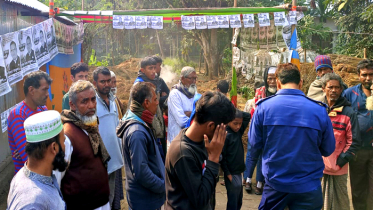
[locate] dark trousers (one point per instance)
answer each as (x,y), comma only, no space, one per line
(361,177)
(275,200)
(234,192)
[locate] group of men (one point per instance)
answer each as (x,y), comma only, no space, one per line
(87,145)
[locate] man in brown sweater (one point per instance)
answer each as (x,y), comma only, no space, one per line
(85,184)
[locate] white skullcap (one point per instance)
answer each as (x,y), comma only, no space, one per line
(272,70)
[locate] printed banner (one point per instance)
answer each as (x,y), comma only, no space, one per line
(12,57)
(293,17)
(27,52)
(223,21)
(263,19)
(51,37)
(157,22)
(279,18)
(4,84)
(40,44)
(248,20)
(118,22)
(212,22)
(129,22)
(235,21)
(188,22)
(141,22)
(201,22)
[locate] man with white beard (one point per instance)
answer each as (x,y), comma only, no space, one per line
(180,102)
(85,185)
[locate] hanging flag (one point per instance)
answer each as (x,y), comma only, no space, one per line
(293,47)
(233,92)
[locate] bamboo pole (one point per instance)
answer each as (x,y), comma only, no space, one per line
(51,8)
(365,53)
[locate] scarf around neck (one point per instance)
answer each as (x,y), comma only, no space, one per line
(183,90)
(142,113)
(155,82)
(95,139)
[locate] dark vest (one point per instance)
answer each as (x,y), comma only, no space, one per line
(85,185)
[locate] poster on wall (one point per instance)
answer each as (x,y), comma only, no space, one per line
(235,21)
(292,17)
(286,33)
(59,30)
(248,20)
(4,118)
(118,22)
(201,22)
(223,21)
(12,57)
(141,22)
(4,84)
(40,44)
(157,22)
(27,52)
(188,22)
(279,18)
(212,22)
(69,40)
(129,22)
(51,37)
(263,19)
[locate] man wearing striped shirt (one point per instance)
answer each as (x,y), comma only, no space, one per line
(35,87)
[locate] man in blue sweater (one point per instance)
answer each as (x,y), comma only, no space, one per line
(145,171)
(294,132)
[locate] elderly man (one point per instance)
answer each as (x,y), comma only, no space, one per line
(88,153)
(114,92)
(180,102)
(145,178)
(192,163)
(361,168)
(292,142)
(108,117)
(347,136)
(35,187)
(323,65)
(79,71)
(35,87)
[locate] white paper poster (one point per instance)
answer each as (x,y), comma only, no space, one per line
(248,20)
(201,22)
(188,22)
(118,22)
(51,37)
(223,21)
(279,18)
(263,19)
(149,21)
(4,119)
(27,52)
(235,21)
(69,40)
(4,84)
(157,22)
(212,22)
(129,22)
(40,44)
(141,22)
(12,57)
(286,34)
(292,17)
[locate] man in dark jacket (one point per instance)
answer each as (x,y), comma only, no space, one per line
(164,90)
(192,163)
(347,136)
(145,176)
(361,168)
(293,142)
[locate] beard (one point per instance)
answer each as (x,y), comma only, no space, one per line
(59,162)
(367,85)
(272,89)
(114,91)
(192,89)
(90,121)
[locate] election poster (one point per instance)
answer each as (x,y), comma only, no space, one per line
(51,37)
(212,22)
(248,20)
(12,57)
(188,22)
(118,22)
(40,44)
(27,52)
(201,22)
(4,84)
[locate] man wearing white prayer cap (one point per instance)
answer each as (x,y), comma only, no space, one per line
(35,187)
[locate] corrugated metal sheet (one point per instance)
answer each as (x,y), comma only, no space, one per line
(35,4)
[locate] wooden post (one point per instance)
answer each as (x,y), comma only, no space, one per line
(294,4)
(365,53)
(305,56)
(51,8)
(234,5)
(82,5)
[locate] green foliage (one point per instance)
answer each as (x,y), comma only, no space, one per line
(227,59)
(246,92)
(177,64)
(94,62)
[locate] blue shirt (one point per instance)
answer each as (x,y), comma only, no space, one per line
(358,100)
(29,190)
(294,132)
(196,98)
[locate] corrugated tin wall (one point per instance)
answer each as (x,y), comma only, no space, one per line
(10,21)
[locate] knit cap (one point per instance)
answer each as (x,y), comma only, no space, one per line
(323,61)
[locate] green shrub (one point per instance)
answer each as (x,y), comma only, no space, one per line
(178,64)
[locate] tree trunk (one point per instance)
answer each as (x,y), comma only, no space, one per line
(159,43)
(214,53)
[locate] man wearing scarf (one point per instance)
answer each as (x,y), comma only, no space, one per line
(145,171)
(180,102)
(147,73)
(85,185)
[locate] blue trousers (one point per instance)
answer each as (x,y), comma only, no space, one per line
(275,200)
(250,166)
(234,192)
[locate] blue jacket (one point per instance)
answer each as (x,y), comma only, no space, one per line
(145,171)
(196,98)
(294,132)
(356,96)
